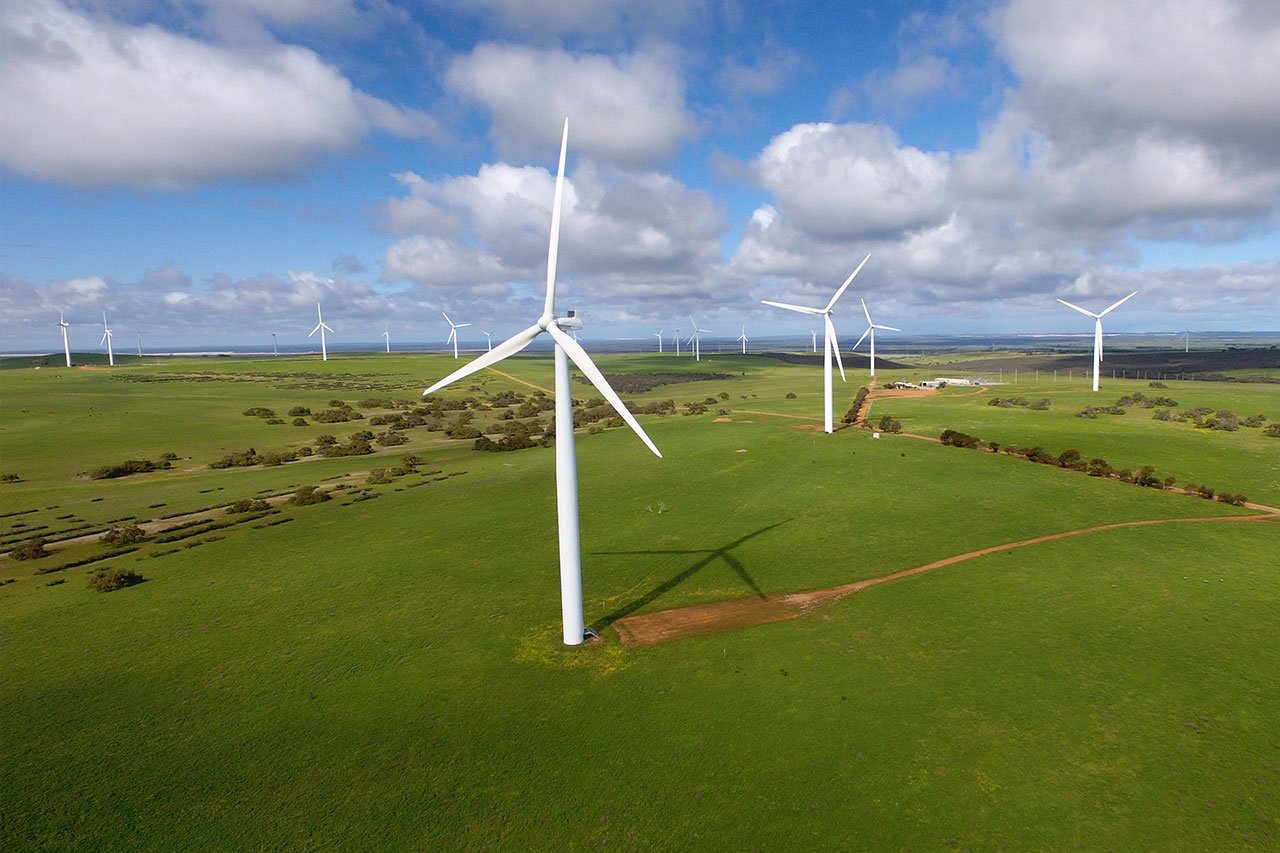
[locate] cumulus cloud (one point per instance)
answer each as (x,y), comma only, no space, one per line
(853,180)
(93,102)
(627,110)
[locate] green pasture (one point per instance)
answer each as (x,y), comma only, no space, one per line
(1243,461)
(386,671)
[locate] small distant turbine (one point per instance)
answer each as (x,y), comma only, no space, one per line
(658,335)
(275,345)
(743,338)
(106,339)
(321,328)
(488,336)
(695,340)
(871,330)
(677,341)
(1186,338)
(139,334)
(453,333)
(386,335)
(66,346)
(829,342)
(1097,330)
(815,339)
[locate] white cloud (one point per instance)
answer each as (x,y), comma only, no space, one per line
(853,180)
(546,19)
(92,102)
(628,110)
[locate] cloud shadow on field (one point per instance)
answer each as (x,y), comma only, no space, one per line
(709,556)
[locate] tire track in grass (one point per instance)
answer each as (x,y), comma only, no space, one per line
(663,626)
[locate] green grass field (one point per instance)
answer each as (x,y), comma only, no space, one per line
(384,669)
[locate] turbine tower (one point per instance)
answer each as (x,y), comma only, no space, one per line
(275,345)
(106,339)
(66,346)
(566,349)
(453,333)
(658,335)
(386,335)
(829,342)
(743,338)
(677,341)
(321,328)
(1097,330)
(139,334)
(871,330)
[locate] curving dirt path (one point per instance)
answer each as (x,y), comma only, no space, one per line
(649,629)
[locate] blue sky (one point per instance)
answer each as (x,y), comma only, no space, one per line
(204,171)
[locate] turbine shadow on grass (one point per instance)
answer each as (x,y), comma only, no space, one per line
(711,555)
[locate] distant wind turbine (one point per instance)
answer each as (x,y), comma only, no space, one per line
(488,336)
(566,349)
(830,343)
(743,338)
(1186,338)
(677,340)
(386,335)
(1097,330)
(275,344)
(106,339)
(658,335)
(321,328)
(453,332)
(695,340)
(815,339)
(66,346)
(871,330)
(139,334)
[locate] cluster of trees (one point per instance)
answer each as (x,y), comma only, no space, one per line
(1205,417)
(307,495)
(859,398)
(1142,401)
(889,424)
(1010,402)
(955,438)
(248,505)
(109,580)
(246,458)
(1208,494)
(133,466)
(126,534)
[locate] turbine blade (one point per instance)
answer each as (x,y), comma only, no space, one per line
(1118,304)
(460,325)
(834,343)
(863,338)
(316,329)
(583,362)
(802,309)
(327,329)
(553,248)
(890,328)
(446,318)
(453,333)
(847,282)
(510,346)
(865,311)
(1078,308)
(1097,338)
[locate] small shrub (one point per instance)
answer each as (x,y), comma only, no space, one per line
(1145,476)
(889,424)
(1069,459)
(109,580)
(248,505)
(1040,405)
(1273,430)
(298,411)
(307,495)
(1044,457)
(260,412)
(791,395)
(299,421)
(378,476)
(1254,421)
(1098,467)
(959,439)
(10,478)
(32,549)
(274,421)
(124,535)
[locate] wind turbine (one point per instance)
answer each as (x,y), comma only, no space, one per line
(66,346)
(453,333)
(139,334)
(829,342)
(658,335)
(106,339)
(815,339)
(743,338)
(386,335)
(677,341)
(871,330)
(566,349)
(489,337)
(696,339)
(275,344)
(1097,330)
(1186,338)
(321,328)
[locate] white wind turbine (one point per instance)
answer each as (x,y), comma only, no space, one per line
(321,328)
(488,336)
(743,338)
(386,334)
(695,340)
(275,345)
(66,346)
(453,333)
(106,339)
(1186,338)
(139,334)
(871,330)
(658,335)
(1097,330)
(559,328)
(829,342)
(677,340)
(814,333)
